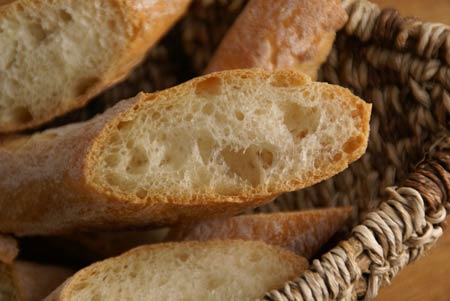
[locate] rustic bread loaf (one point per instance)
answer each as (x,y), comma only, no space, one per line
(56,55)
(292,34)
(302,232)
(214,270)
(213,146)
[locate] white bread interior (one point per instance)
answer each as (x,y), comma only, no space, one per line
(233,134)
(189,271)
(56,55)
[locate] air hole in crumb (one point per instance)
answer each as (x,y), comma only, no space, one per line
(208,109)
(156,116)
(124,125)
(65,16)
(141,193)
(300,121)
(239,115)
(112,160)
(188,117)
(266,158)
(38,32)
(243,163)
(138,163)
(21,114)
(286,80)
(209,86)
(206,144)
(213,283)
(352,144)
(183,257)
(86,85)
(337,157)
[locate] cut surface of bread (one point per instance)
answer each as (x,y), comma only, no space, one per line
(292,34)
(303,232)
(213,146)
(56,55)
(189,271)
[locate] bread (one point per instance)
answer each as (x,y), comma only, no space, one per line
(302,232)
(214,270)
(56,55)
(27,281)
(8,249)
(283,34)
(213,146)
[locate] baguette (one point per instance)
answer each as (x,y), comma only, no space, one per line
(27,281)
(303,232)
(56,55)
(213,146)
(292,34)
(214,270)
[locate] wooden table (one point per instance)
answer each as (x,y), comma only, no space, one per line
(428,279)
(428,10)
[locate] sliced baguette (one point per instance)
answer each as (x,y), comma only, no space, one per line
(56,55)
(293,34)
(214,270)
(213,146)
(303,232)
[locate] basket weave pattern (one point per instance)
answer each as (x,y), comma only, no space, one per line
(402,66)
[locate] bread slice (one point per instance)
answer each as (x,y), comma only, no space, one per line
(213,146)
(303,232)
(26,281)
(214,270)
(293,34)
(56,55)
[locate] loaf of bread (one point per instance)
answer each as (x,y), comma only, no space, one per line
(214,270)
(56,55)
(26,281)
(303,232)
(283,34)
(213,146)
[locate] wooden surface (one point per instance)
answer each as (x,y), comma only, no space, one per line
(428,279)
(427,10)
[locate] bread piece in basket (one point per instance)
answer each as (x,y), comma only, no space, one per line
(292,34)
(213,270)
(215,145)
(302,232)
(56,55)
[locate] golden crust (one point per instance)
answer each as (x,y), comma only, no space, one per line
(303,232)
(65,290)
(145,25)
(50,188)
(284,34)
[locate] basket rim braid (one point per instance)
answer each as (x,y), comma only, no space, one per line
(410,219)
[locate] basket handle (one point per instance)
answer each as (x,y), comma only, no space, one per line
(405,225)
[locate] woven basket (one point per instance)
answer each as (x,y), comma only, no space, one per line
(400,188)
